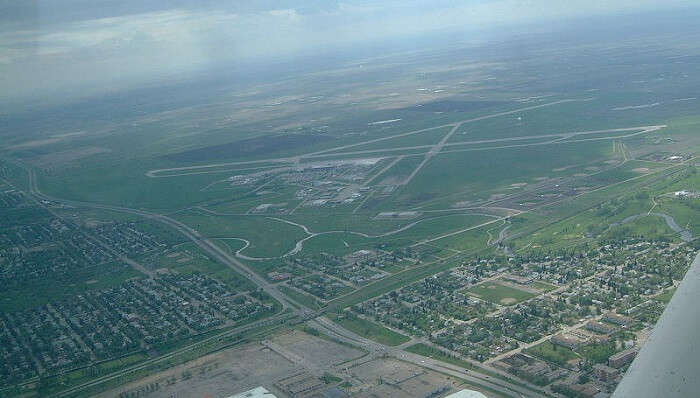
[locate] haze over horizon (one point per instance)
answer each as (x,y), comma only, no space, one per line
(88,48)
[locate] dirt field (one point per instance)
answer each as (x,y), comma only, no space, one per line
(243,368)
(388,378)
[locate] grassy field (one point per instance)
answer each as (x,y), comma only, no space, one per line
(324,220)
(467,241)
(552,353)
(430,352)
(369,329)
(188,258)
(388,284)
(543,286)
(268,238)
(33,294)
(540,229)
(232,245)
(126,185)
(666,296)
(479,172)
(598,114)
(598,352)
(283,196)
(304,299)
(339,244)
(433,226)
(164,127)
(499,294)
(398,173)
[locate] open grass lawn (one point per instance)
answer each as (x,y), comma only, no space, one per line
(552,353)
(231,245)
(332,219)
(582,214)
(500,294)
(280,196)
(268,238)
(431,352)
(188,258)
(301,298)
(477,172)
(649,227)
(339,244)
(666,296)
(369,329)
(560,118)
(400,171)
(543,286)
(685,212)
(436,226)
(125,184)
(467,241)
(598,352)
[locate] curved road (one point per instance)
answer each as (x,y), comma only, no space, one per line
(321,323)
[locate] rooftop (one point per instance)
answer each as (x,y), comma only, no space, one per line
(257,392)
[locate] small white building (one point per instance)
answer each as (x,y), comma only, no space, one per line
(467,394)
(258,392)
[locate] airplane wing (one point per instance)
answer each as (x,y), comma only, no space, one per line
(668,365)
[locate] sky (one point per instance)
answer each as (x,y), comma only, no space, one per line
(71,47)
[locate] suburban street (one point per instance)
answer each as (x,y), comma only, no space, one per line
(320,322)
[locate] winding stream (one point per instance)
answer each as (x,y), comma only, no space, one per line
(685,234)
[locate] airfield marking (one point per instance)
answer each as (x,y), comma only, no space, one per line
(194,235)
(433,151)
(295,159)
(643,130)
(362,202)
(545,184)
(459,231)
(34,188)
(382,171)
(549,204)
(322,154)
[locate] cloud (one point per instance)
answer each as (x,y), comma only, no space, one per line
(87,48)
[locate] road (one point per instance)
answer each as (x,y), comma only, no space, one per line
(378,350)
(306,314)
(149,362)
(204,243)
(321,323)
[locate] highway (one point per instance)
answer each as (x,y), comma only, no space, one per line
(204,243)
(315,319)
(296,310)
(378,350)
